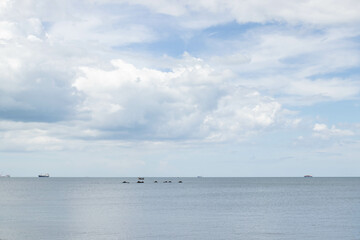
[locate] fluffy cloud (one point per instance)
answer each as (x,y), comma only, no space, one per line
(34,83)
(54,67)
(192,101)
(103,83)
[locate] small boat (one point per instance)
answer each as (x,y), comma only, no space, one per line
(307,176)
(180,181)
(44,175)
(140,182)
(140,178)
(125,182)
(4,176)
(155,181)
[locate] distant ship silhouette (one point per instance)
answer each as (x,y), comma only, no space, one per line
(44,175)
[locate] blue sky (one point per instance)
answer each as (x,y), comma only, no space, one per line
(176,88)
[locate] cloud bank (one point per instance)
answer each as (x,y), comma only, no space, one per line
(114,74)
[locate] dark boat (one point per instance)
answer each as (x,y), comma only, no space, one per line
(307,176)
(140,180)
(44,175)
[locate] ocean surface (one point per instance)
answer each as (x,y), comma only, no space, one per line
(198,208)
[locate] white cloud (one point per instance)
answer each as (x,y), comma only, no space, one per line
(6,31)
(240,113)
(214,98)
(61,91)
(307,91)
(191,101)
(299,67)
(323,131)
(311,12)
(29,140)
(94,31)
(33,38)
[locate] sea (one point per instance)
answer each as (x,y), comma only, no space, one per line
(198,208)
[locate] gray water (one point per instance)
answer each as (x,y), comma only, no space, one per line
(199,208)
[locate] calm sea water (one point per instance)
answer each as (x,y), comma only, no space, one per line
(199,208)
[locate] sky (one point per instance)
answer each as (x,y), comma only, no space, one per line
(221,88)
